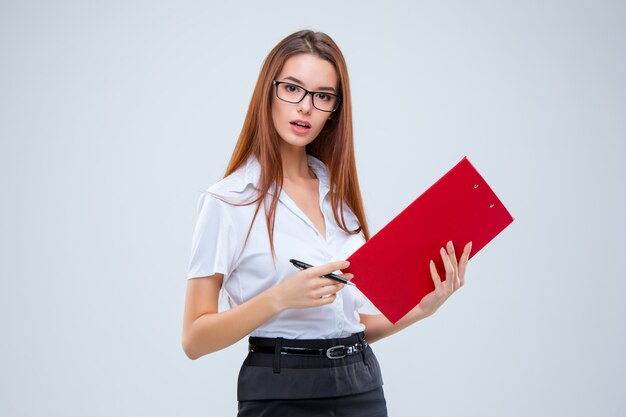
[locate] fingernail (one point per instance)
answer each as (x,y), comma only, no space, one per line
(431,262)
(349,276)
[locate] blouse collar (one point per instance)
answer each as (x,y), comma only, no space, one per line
(252,173)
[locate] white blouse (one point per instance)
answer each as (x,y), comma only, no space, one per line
(218,247)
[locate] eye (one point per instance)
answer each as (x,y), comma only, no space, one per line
(323,97)
(290,88)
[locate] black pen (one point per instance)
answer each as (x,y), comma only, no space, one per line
(303,265)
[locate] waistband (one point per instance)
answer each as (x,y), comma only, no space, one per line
(345,347)
(280,353)
(307,343)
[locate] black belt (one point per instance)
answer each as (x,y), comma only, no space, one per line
(334,352)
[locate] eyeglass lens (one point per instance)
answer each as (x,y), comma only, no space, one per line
(294,94)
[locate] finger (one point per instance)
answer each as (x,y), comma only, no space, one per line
(435,275)
(325,300)
(464,261)
(327,290)
(448,266)
(328,268)
(321,282)
(455,266)
(452,255)
(347,276)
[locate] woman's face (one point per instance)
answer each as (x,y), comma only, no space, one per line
(298,124)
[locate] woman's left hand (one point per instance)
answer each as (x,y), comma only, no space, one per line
(454,279)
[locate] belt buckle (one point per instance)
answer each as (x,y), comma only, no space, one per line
(330,352)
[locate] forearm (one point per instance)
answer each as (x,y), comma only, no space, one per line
(211,332)
(378,327)
(205,330)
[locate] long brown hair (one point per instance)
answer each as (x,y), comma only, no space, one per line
(334,145)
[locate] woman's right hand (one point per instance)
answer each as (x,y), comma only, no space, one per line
(308,288)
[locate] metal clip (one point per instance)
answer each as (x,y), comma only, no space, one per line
(330,352)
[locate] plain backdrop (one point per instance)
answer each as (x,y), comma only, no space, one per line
(116,115)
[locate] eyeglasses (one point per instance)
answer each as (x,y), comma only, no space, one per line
(292,93)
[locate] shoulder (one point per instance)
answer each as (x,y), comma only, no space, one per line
(238,187)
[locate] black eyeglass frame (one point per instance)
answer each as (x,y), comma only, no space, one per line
(276,83)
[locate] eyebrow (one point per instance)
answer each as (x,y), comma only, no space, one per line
(294,79)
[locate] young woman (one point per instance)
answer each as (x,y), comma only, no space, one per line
(291,191)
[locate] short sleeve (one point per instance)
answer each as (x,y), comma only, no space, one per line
(215,242)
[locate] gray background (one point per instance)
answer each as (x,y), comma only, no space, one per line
(115,116)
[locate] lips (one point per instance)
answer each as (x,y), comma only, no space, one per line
(301,123)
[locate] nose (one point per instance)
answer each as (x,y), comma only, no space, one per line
(306,104)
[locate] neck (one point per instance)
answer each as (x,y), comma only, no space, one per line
(295,164)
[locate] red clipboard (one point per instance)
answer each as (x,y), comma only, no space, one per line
(392,268)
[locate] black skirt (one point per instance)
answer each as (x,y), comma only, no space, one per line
(294,385)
